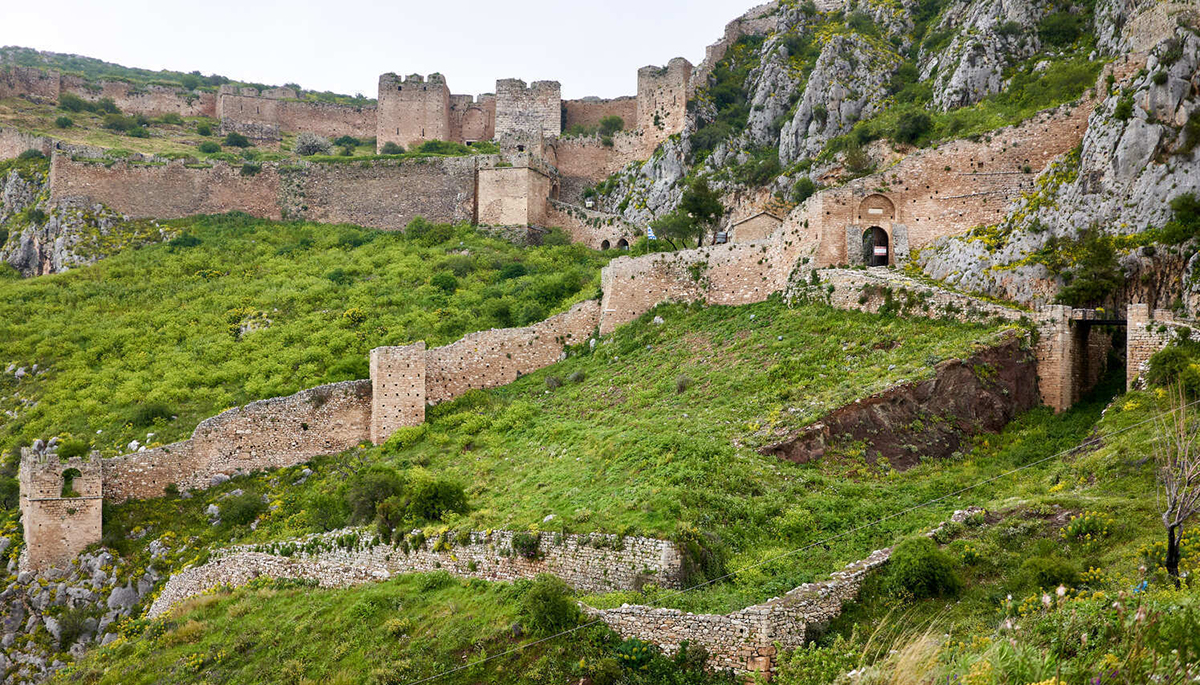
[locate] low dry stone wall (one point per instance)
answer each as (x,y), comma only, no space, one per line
(750,639)
(588,563)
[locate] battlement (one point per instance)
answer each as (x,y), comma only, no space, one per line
(412,110)
(526,116)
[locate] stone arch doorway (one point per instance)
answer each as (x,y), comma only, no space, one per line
(604,245)
(876,249)
(623,244)
(68,485)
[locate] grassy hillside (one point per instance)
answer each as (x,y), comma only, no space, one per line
(236,309)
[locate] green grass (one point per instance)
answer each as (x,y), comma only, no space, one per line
(398,631)
(159,326)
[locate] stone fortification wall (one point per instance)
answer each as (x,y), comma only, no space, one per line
(28,82)
(731,274)
(472,120)
(1146,333)
(588,112)
(167,191)
(150,100)
(384,194)
(279,108)
(14,142)
(513,196)
(875,289)
(497,357)
(758,21)
(276,432)
(586,160)
(598,230)
(397,389)
(588,563)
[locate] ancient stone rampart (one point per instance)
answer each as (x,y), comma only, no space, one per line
(150,100)
(662,97)
(513,195)
(586,160)
(29,82)
(167,190)
(281,108)
(525,116)
(587,112)
(597,230)
(588,562)
(757,21)
(1149,332)
(14,142)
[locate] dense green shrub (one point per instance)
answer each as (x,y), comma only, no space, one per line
(203,129)
(118,122)
(138,132)
(1124,109)
(803,189)
(1060,29)
(611,124)
(74,447)
(445,281)
(209,147)
(429,499)
(347,141)
(427,233)
(912,125)
(1185,220)
(368,488)
(442,147)
(1048,572)
(526,544)
(171,118)
(390,148)
(918,568)
(308,144)
(64,122)
(702,555)
(241,510)
(325,511)
(73,103)
(547,608)
(1177,363)
(31,154)
(235,139)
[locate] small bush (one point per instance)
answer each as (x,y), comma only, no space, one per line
(1124,109)
(611,124)
(347,141)
(1060,29)
(138,132)
(147,414)
(526,544)
(547,608)
(203,129)
(208,147)
(553,382)
(577,377)
(251,168)
(117,122)
(912,125)
(803,190)
(74,447)
(64,122)
(242,509)
(443,147)
(1160,77)
(31,154)
(171,118)
(682,383)
(308,144)
(73,103)
(444,281)
(1049,572)
(390,148)
(235,139)
(919,568)
(370,487)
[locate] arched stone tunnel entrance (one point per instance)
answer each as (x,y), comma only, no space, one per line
(876,249)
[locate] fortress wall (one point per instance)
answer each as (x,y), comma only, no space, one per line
(589,227)
(589,111)
(397,389)
(585,161)
(412,110)
(497,357)
(58,528)
(150,100)
(511,196)
(662,100)
(471,120)
(14,142)
(731,274)
(757,21)
(167,191)
(383,194)
(143,475)
(29,82)
(322,118)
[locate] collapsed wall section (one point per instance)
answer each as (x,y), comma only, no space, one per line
(150,100)
(167,191)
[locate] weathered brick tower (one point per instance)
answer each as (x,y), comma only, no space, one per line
(412,110)
(527,116)
(61,503)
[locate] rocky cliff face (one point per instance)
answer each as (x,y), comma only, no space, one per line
(1141,151)
(40,237)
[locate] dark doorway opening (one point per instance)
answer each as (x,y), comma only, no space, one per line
(604,245)
(623,244)
(876,250)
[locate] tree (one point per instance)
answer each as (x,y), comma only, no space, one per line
(674,226)
(1177,456)
(611,124)
(702,205)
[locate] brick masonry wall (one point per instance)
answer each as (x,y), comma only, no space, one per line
(497,357)
(383,194)
(289,114)
(588,563)
(167,191)
(588,112)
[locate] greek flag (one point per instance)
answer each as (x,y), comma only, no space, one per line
(650,234)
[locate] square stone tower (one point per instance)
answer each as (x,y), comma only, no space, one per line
(662,98)
(527,116)
(61,503)
(412,111)
(397,389)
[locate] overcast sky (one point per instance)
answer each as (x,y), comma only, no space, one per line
(592,48)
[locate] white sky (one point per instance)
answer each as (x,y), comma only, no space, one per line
(592,48)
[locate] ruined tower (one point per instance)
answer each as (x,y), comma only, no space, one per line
(527,116)
(61,502)
(412,110)
(397,389)
(662,98)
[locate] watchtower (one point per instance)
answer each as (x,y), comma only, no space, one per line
(412,111)
(61,502)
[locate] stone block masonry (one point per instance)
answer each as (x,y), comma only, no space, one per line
(1147,333)
(59,521)
(247,110)
(591,563)
(513,196)
(398,389)
(525,116)
(662,98)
